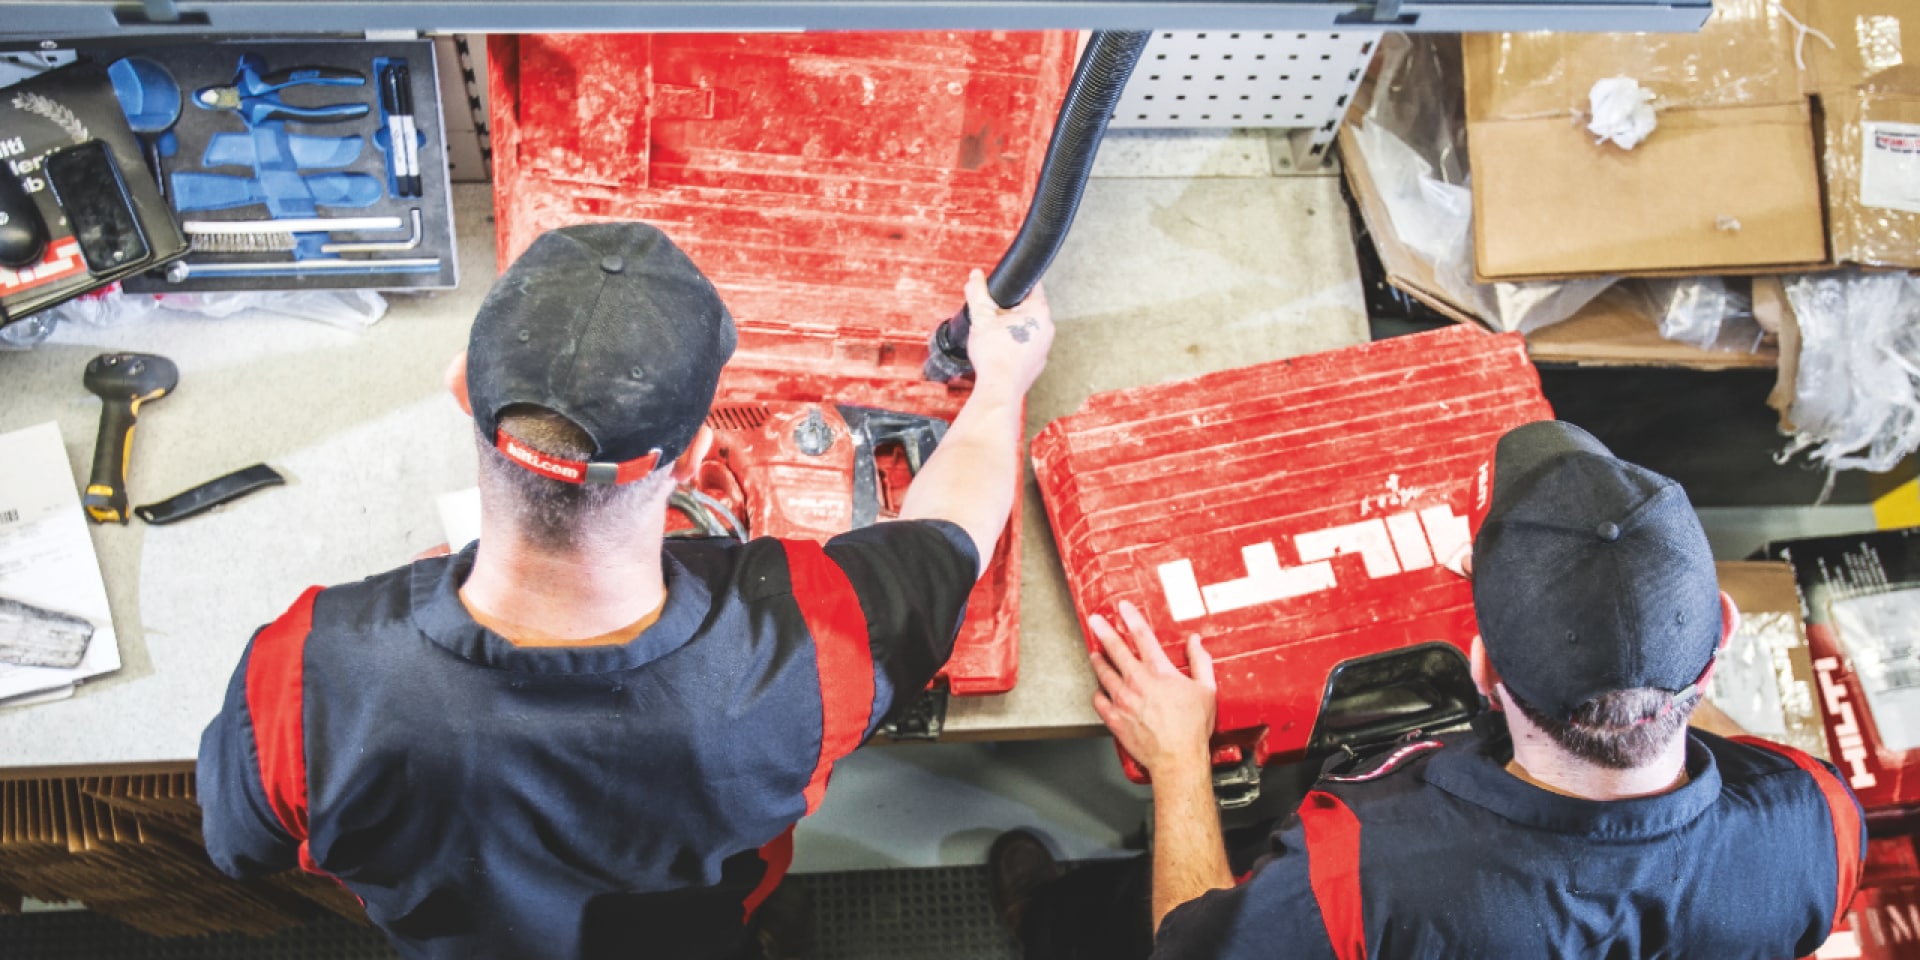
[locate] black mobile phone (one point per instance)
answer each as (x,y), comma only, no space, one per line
(88,187)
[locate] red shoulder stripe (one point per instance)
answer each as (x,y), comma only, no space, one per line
(1846,820)
(1333,871)
(275,670)
(778,855)
(839,627)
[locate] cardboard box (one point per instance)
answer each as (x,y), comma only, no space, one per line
(1868,87)
(1613,330)
(1728,183)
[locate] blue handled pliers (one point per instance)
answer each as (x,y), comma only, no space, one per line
(256,98)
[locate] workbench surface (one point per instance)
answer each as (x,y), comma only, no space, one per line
(1163,277)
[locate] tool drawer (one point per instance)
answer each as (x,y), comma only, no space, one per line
(292,165)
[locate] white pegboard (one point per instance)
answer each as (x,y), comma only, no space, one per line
(1249,78)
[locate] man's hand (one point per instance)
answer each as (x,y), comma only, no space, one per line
(1008,347)
(971,478)
(1162,717)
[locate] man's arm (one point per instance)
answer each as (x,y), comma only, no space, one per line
(971,478)
(243,834)
(1164,719)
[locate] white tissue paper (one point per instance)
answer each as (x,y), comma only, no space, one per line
(1622,111)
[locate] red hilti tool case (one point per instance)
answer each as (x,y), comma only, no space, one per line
(1297,516)
(836,188)
(1861,597)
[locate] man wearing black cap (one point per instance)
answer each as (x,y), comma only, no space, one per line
(573,739)
(1579,818)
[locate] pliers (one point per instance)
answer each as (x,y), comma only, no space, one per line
(256,98)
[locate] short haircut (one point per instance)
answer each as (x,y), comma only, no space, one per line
(555,514)
(1621,729)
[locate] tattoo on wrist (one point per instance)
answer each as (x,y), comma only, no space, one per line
(1023,330)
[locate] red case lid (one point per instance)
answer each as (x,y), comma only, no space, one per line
(836,187)
(1294,514)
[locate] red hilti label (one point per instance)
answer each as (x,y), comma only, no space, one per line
(62,259)
(566,471)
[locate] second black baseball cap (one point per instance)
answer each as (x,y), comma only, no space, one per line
(611,326)
(1591,574)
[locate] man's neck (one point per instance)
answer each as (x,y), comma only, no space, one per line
(566,594)
(1541,762)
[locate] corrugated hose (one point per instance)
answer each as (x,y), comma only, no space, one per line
(1097,83)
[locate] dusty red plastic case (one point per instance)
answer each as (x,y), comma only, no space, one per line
(836,188)
(1295,514)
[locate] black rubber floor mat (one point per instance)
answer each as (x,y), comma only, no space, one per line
(944,913)
(91,936)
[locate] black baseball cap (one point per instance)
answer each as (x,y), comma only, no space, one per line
(1591,574)
(611,326)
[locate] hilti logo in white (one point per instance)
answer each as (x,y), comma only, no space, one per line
(1891,923)
(1401,543)
(63,259)
(1853,743)
(540,463)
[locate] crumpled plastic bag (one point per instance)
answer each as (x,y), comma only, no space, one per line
(1413,141)
(352,309)
(1857,392)
(1712,313)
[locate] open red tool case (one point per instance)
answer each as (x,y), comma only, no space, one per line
(1861,597)
(836,188)
(1297,515)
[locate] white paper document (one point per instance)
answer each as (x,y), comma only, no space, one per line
(47,559)
(460,517)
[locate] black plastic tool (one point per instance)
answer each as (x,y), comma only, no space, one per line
(23,235)
(122,381)
(211,494)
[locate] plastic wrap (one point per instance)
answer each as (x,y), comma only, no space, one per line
(1413,141)
(1873,176)
(1755,682)
(351,309)
(1712,313)
(1857,391)
(1725,64)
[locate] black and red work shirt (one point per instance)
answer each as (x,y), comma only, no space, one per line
(638,799)
(1438,851)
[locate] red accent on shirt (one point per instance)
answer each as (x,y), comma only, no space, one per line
(1333,870)
(841,651)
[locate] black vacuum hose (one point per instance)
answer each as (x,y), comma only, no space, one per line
(1097,82)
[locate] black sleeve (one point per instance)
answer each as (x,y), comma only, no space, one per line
(1273,913)
(913,578)
(244,836)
